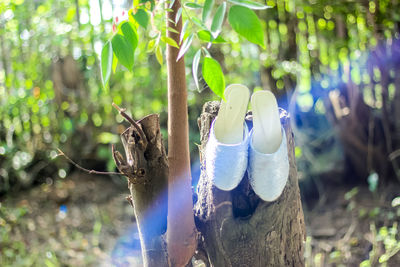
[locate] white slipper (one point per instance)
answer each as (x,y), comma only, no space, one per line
(268,158)
(227,146)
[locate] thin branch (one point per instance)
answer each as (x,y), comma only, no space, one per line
(122,112)
(130,120)
(84,169)
(191,21)
(187,13)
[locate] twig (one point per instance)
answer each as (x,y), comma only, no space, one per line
(130,120)
(84,169)
(187,13)
(349,232)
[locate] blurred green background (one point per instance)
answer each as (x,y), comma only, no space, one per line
(334,65)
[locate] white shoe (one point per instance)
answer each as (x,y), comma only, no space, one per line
(227,146)
(268,167)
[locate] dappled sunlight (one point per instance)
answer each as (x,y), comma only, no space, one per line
(334,66)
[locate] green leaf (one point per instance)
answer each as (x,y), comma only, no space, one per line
(384,258)
(249,4)
(195,68)
(218,20)
(213,75)
(150,45)
(185,46)
(106,62)
(208,5)
(130,34)
(183,31)
(169,41)
(141,17)
(123,50)
(246,23)
(206,37)
(199,23)
(115,63)
(172,30)
(396,202)
(192,5)
(159,55)
(178,15)
(149,4)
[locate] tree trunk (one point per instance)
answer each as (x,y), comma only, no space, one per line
(181,234)
(146,169)
(237,227)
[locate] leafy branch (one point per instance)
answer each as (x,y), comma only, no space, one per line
(240,16)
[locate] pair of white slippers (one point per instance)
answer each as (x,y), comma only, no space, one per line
(232,149)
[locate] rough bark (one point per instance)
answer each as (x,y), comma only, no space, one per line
(181,234)
(239,229)
(146,168)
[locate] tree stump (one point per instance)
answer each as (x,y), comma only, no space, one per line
(237,227)
(146,169)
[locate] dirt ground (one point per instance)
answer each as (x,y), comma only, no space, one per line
(348,225)
(84,220)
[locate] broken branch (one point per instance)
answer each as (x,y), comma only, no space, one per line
(130,120)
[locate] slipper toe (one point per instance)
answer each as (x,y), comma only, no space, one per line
(268,173)
(226,163)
